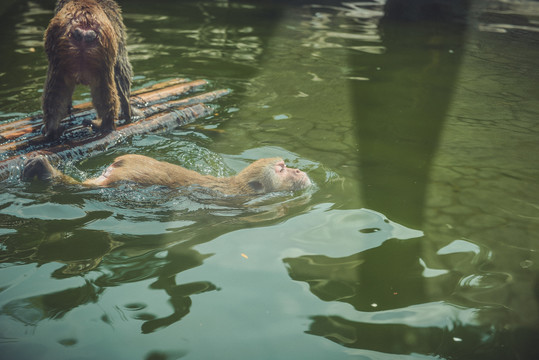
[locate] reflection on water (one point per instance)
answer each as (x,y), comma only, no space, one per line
(385,290)
(416,121)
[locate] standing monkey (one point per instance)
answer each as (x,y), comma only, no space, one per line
(85,44)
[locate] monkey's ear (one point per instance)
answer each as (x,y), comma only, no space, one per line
(256,186)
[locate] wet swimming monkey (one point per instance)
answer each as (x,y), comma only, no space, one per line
(85,44)
(262,176)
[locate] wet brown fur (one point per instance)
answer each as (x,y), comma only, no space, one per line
(260,177)
(85,44)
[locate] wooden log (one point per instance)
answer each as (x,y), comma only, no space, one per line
(154,94)
(86,147)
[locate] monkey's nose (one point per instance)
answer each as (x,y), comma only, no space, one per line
(84,35)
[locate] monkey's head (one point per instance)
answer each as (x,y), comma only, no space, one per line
(268,175)
(81,28)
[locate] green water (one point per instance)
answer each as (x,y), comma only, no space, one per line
(419,238)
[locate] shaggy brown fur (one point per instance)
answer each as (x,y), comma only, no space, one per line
(85,44)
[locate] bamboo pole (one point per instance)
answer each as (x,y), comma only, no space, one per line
(160,85)
(36,140)
(161,95)
(25,137)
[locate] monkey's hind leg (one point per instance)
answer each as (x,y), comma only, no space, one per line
(106,103)
(122,77)
(56,102)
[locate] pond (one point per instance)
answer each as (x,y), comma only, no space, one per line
(417,123)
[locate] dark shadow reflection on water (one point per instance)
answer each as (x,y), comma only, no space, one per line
(400,115)
(395,314)
(400,111)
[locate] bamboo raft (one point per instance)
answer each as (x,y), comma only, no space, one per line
(163,106)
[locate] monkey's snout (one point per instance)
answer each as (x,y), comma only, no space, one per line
(83,35)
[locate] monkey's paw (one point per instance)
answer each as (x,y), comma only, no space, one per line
(98,125)
(51,133)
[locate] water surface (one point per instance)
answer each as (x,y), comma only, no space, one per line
(418,128)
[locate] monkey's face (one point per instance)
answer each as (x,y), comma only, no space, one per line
(289,178)
(267,175)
